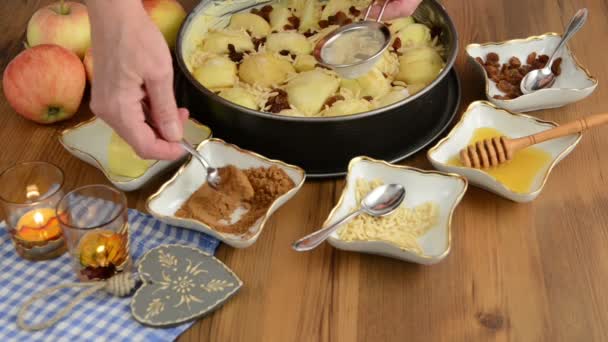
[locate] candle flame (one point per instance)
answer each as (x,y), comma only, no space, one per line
(39,218)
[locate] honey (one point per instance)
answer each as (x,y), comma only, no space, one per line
(518,174)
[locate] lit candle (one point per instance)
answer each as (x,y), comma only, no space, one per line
(38,225)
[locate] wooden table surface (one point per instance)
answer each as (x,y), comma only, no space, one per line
(516,272)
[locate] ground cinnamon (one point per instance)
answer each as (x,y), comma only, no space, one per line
(252,190)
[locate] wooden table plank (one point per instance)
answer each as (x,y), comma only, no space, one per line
(516,272)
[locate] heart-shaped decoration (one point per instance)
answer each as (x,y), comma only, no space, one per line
(180,283)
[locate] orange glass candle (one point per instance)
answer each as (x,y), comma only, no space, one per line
(29,193)
(38,225)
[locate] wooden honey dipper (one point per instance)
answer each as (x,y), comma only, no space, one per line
(498,150)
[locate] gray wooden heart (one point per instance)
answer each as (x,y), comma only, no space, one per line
(180,283)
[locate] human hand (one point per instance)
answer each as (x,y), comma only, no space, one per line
(395,8)
(132,64)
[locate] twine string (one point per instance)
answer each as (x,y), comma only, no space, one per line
(119,285)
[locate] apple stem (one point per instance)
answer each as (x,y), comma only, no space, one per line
(63,9)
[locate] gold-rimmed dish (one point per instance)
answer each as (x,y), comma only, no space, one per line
(444,189)
(165,202)
(573,84)
(484,114)
(90,141)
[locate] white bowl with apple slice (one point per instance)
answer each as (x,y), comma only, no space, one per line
(90,142)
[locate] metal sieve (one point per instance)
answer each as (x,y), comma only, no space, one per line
(366,62)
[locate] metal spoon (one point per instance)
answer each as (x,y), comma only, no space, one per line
(213,174)
(543,78)
(382,201)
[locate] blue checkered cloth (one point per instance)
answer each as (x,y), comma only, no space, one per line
(100,317)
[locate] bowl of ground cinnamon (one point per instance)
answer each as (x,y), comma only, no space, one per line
(503,64)
(252,188)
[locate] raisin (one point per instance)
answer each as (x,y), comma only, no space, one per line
(284,52)
(397,44)
(258,41)
(516,80)
(323,23)
(294,21)
(308,33)
(287,27)
(278,102)
(531,58)
(492,71)
(512,73)
(514,62)
(537,65)
(340,18)
(264,12)
(368,98)
(504,86)
(354,12)
(492,58)
(234,56)
(556,67)
(543,59)
(333,99)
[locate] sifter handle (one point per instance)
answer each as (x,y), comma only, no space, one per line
(369,10)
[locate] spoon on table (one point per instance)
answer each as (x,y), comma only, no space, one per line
(543,78)
(213,174)
(498,150)
(381,201)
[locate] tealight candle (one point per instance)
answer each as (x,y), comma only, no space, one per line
(38,225)
(29,193)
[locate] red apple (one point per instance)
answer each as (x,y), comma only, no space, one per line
(168,16)
(65,24)
(88,64)
(45,84)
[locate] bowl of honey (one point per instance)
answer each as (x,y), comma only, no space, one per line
(523,177)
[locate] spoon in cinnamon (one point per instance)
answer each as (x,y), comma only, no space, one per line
(498,150)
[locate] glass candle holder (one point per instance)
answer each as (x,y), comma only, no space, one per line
(29,193)
(94,219)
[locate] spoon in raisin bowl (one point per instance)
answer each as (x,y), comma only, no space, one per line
(544,78)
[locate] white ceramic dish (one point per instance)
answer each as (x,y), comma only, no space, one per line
(89,141)
(421,186)
(573,84)
(168,199)
(514,125)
